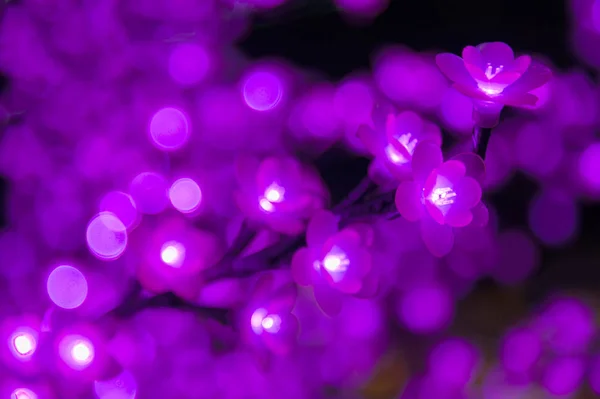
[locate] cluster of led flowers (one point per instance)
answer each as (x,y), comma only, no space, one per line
(174,229)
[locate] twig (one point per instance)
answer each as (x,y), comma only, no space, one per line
(481,139)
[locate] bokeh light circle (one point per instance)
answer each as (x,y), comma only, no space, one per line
(262,90)
(123,386)
(23,343)
(189,64)
(185,195)
(426,308)
(169,129)
(172,253)
(149,191)
(23,393)
(76,351)
(67,287)
(122,206)
(106,236)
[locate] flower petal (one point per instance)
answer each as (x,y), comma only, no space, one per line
(497,54)
(458,217)
(321,227)
(468,193)
(282,341)
(472,56)
(535,76)
(454,68)
(452,171)
(474,92)
(474,165)
(438,238)
(427,157)
(370,286)
(301,267)
(408,200)
(283,299)
(521,64)
(481,215)
(329,300)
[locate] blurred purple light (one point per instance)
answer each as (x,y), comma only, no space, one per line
(106,236)
(67,287)
(563,376)
(185,195)
(123,386)
(262,90)
(76,351)
(426,308)
(172,253)
(453,362)
(122,206)
(149,191)
(23,343)
(189,64)
(520,350)
(23,393)
(589,164)
(554,217)
(169,129)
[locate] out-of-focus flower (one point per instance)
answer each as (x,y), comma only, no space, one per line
(492,76)
(335,262)
(267,321)
(173,255)
(393,143)
(442,195)
(280,192)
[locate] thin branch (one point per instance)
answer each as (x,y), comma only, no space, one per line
(481,139)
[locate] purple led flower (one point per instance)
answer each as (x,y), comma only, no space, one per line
(492,76)
(267,321)
(280,192)
(335,262)
(442,195)
(393,143)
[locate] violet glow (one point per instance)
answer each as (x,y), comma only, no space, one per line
(213,254)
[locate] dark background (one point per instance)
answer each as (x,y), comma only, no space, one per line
(311,34)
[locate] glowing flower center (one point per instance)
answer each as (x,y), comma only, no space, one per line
(441,196)
(408,142)
(262,321)
(491,71)
(273,194)
(24,344)
(336,263)
(172,253)
(491,88)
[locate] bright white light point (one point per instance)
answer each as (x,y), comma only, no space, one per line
(261,321)
(81,352)
(274,193)
(443,196)
(408,142)
(76,351)
(24,344)
(185,195)
(336,263)
(22,393)
(266,205)
(172,253)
